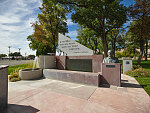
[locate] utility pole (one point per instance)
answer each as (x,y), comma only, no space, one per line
(19,52)
(9,51)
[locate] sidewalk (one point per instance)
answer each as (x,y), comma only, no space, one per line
(52,96)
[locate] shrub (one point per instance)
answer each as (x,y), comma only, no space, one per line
(138,72)
(119,54)
(136,67)
(14,77)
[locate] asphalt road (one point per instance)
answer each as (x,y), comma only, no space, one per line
(14,62)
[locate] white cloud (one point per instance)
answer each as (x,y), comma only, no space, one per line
(70,23)
(72,34)
(15,19)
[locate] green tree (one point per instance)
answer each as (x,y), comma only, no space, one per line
(88,38)
(112,38)
(31,57)
(52,20)
(2,55)
(140,28)
(98,15)
(138,36)
(15,54)
(40,47)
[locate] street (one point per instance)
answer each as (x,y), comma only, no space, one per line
(14,62)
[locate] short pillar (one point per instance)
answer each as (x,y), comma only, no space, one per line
(3,87)
(46,62)
(127,65)
(111,74)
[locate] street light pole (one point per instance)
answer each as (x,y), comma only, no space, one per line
(19,52)
(9,51)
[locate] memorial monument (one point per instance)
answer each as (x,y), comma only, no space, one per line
(80,65)
(110,58)
(71,47)
(111,70)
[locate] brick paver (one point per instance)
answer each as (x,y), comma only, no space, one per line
(51,96)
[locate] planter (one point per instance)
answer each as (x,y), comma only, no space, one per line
(46,62)
(30,74)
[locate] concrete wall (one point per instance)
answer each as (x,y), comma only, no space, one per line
(3,86)
(72,76)
(111,74)
(46,62)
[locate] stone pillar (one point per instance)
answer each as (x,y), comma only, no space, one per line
(111,74)
(3,86)
(127,65)
(46,62)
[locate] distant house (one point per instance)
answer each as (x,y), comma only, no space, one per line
(6,58)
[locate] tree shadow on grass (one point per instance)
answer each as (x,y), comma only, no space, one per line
(14,108)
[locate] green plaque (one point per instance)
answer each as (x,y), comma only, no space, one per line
(79,65)
(111,66)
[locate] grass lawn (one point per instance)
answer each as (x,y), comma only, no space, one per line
(144,64)
(23,66)
(143,81)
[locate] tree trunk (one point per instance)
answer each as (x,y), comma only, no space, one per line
(141,51)
(114,48)
(146,51)
(54,45)
(105,46)
(134,52)
(96,45)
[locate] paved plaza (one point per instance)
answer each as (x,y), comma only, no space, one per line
(52,96)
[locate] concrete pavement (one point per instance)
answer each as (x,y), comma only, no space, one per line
(52,96)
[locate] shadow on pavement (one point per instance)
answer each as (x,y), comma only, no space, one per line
(14,108)
(131,85)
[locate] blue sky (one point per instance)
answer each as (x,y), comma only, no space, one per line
(15,19)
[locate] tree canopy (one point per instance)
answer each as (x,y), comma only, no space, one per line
(2,55)
(140,27)
(52,20)
(98,15)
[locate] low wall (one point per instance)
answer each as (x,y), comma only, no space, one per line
(29,74)
(111,74)
(96,61)
(73,76)
(3,87)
